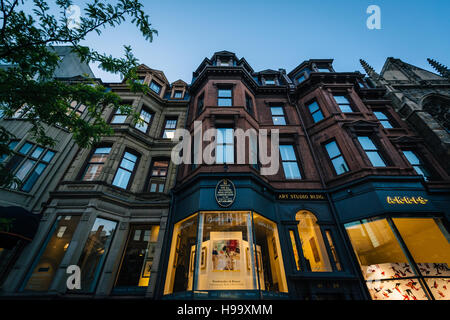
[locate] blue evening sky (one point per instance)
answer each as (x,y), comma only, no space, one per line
(282,34)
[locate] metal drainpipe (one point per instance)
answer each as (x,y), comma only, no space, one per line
(159,283)
(322,181)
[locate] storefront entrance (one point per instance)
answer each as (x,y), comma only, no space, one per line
(237,251)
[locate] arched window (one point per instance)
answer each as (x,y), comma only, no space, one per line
(313,246)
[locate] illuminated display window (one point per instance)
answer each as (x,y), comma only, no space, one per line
(396,261)
(137,261)
(237,250)
(54,250)
(313,246)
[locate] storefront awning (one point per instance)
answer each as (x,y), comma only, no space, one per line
(16,223)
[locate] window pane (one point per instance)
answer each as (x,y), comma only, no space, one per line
(287,153)
(313,246)
(412,158)
(381,258)
(37,152)
(225,135)
(25,148)
(180,265)
(428,242)
(366,143)
(277,111)
(169,134)
(155,87)
(313,107)
(291,170)
(332,149)
(142,127)
(294,249)
(25,168)
(47,263)
(340,166)
(138,257)
(375,159)
(224,93)
(269,257)
(345,108)
(224,102)
(93,172)
(380,115)
(317,116)
(94,253)
(105,150)
(121,179)
(341,100)
(33,177)
(333,250)
(421,171)
(118,119)
(301,79)
(279,121)
(386,124)
(171,124)
(48,156)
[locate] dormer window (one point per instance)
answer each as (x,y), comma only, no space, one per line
(269,81)
(224,62)
(300,78)
(178,94)
(155,87)
(141,79)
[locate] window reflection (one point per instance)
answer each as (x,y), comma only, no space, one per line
(184,238)
(313,246)
(270,265)
(94,253)
(46,265)
(382,259)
